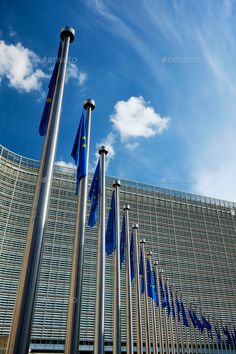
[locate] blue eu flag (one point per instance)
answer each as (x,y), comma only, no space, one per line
(192,317)
(162,292)
(185,320)
(94,196)
(122,243)
(172,303)
(227,334)
(79,151)
(150,282)
(178,307)
(132,257)
(141,271)
(218,334)
(156,291)
(167,300)
(111,228)
(47,107)
(206,324)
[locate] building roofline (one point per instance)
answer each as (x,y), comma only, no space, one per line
(33,163)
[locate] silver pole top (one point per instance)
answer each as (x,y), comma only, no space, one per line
(102,149)
(149,253)
(126,207)
(156,263)
(143,241)
(89,103)
(116,183)
(162,271)
(135,226)
(67,31)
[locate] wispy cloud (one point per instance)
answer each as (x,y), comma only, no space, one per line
(74,73)
(109,142)
(202,96)
(12,32)
(17,67)
(132,146)
(65,164)
(135,118)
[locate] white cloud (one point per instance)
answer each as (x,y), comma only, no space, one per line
(65,164)
(215,171)
(73,72)
(135,118)
(132,146)
(12,32)
(17,66)
(108,141)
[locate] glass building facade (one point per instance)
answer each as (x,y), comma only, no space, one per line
(192,237)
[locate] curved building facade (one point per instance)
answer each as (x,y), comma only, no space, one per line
(193,237)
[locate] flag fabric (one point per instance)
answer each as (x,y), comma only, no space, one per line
(79,151)
(156,291)
(199,323)
(227,334)
(167,300)
(122,243)
(172,304)
(206,324)
(94,196)
(178,307)
(132,257)
(218,335)
(150,282)
(162,292)
(192,316)
(141,271)
(111,228)
(51,87)
(184,316)
(234,334)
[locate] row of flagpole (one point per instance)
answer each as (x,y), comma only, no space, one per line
(170,334)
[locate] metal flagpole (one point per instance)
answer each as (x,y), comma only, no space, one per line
(203,336)
(185,331)
(170,322)
(138,299)
(232,345)
(165,323)
(76,282)
(198,338)
(190,329)
(208,339)
(154,328)
(219,344)
(175,319)
(117,303)
(129,319)
(100,282)
(146,312)
(181,329)
(195,336)
(19,337)
(225,343)
(156,273)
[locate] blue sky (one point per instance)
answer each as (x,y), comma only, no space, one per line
(163,76)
